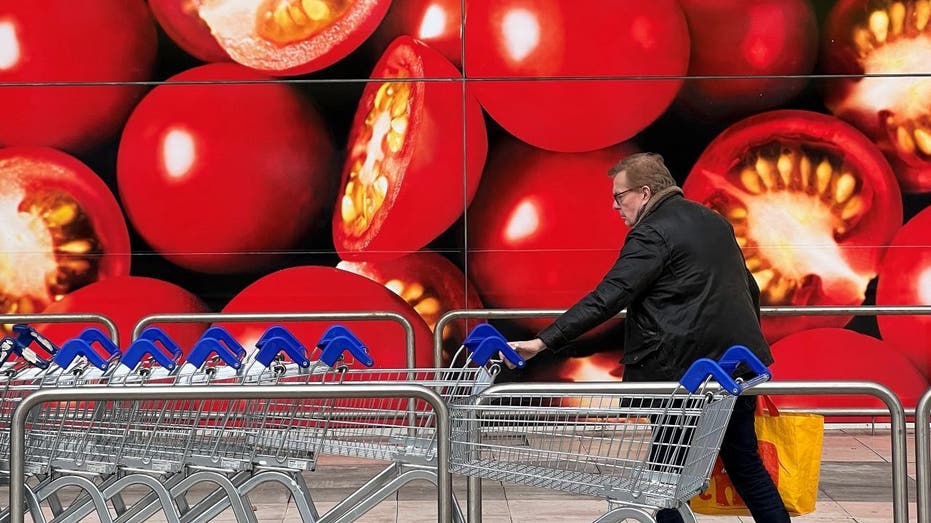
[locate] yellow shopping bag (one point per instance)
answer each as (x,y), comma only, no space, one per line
(790,445)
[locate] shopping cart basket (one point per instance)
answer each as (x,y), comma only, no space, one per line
(645,452)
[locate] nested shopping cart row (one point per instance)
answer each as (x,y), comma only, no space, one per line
(643,451)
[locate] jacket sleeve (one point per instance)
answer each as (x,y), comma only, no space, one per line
(641,261)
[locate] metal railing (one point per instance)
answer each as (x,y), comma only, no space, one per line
(895,410)
(237,392)
(493,314)
(923,456)
(287,316)
(65,318)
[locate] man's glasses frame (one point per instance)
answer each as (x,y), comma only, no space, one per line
(618,196)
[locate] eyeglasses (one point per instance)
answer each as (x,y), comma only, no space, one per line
(618,196)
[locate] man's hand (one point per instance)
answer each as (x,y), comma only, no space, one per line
(526,349)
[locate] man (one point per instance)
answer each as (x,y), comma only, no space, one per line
(688,294)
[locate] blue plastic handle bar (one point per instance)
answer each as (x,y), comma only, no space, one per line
(83,345)
(26,336)
(216,340)
(721,370)
(484,341)
(277,339)
(338,340)
(145,345)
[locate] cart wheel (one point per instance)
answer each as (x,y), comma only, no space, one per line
(626,514)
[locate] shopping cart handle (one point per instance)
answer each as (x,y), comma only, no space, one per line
(83,345)
(216,340)
(277,339)
(703,368)
(145,345)
(484,341)
(7,349)
(26,336)
(738,354)
(338,340)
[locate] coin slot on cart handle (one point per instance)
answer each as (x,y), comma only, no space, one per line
(721,370)
(338,340)
(83,345)
(277,339)
(216,340)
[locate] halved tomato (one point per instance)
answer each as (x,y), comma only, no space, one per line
(402,182)
(182,23)
(62,229)
(430,283)
(813,204)
(288,37)
(881,50)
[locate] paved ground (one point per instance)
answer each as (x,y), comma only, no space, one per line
(855,487)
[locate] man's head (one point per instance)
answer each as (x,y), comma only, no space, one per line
(637,179)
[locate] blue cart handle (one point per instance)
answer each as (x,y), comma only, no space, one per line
(277,339)
(484,341)
(145,345)
(26,336)
(83,345)
(721,370)
(216,340)
(337,340)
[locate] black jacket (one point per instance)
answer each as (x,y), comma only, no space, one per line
(688,294)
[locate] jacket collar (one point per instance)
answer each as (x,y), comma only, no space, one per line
(655,201)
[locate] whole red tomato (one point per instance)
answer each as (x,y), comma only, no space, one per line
(813,204)
(905,279)
(325,289)
(402,183)
(437,23)
(557,39)
(542,232)
(840,354)
(182,23)
(288,37)
(126,300)
(62,229)
(747,40)
(65,41)
(877,39)
(430,283)
(216,176)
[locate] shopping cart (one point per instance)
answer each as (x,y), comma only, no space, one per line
(169,446)
(641,452)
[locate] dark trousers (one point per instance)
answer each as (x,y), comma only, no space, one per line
(745,469)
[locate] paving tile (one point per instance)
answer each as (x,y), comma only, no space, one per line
(847,448)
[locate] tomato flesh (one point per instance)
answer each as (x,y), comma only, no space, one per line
(62,229)
(287,37)
(429,283)
(865,37)
(406,157)
(812,202)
